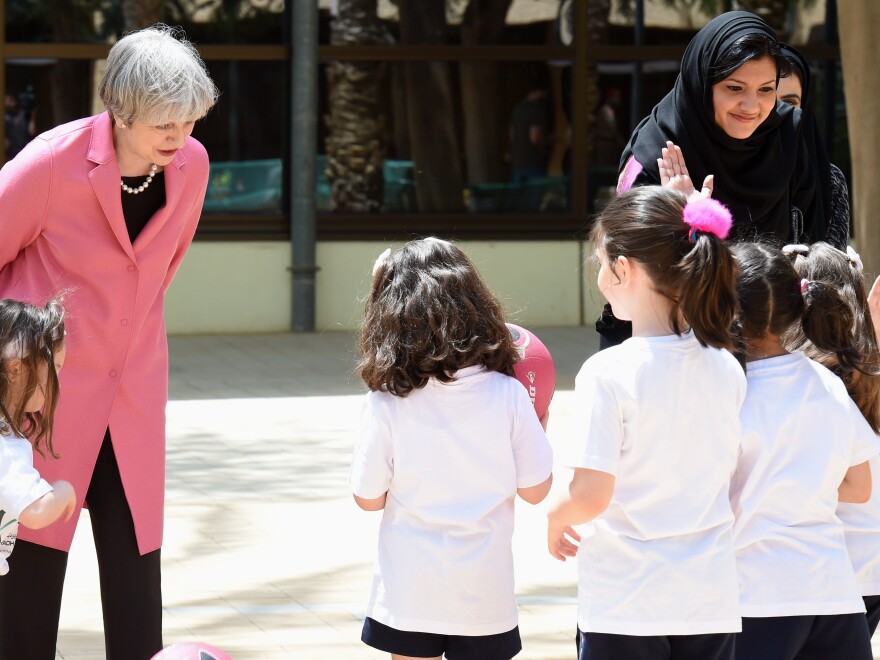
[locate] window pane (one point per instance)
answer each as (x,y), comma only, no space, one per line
(444,22)
(245,139)
(81,21)
(42,93)
(444,137)
(246,136)
(103,21)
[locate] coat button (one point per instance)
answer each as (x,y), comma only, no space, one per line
(130,268)
(112,373)
(124,322)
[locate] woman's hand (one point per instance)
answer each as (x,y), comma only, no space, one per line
(874,307)
(674,174)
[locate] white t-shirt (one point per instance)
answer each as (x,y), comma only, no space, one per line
(451,457)
(661,414)
(801,433)
(861,524)
(20,485)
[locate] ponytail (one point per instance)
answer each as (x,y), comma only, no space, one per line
(827,322)
(708,290)
(681,246)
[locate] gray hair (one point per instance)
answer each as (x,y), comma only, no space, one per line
(155,76)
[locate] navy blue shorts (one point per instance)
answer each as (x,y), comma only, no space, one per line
(819,637)
(605,646)
(429,645)
(872,605)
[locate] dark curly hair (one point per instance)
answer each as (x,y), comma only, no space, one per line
(32,335)
(429,314)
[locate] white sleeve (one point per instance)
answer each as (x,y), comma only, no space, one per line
(532,454)
(372,463)
(598,428)
(866,444)
(20,483)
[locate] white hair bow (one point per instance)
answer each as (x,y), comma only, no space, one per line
(381,259)
(795,248)
(854,257)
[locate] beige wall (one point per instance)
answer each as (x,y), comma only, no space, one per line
(245,287)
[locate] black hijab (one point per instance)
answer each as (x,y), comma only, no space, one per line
(809,125)
(759,178)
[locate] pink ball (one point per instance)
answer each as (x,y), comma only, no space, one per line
(535,370)
(191,651)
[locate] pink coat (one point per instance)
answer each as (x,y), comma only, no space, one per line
(62,230)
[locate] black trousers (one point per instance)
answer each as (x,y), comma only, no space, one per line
(872,607)
(131,591)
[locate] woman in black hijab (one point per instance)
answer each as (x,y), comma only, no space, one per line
(722,117)
(761,169)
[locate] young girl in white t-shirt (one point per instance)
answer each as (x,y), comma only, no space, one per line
(657,424)
(447,439)
(805,446)
(32,352)
(861,522)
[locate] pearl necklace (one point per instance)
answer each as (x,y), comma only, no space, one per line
(146,184)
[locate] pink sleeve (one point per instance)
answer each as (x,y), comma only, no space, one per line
(25,187)
(628,176)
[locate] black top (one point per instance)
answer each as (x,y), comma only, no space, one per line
(759,178)
(831,179)
(138,209)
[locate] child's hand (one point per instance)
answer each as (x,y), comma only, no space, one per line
(558,543)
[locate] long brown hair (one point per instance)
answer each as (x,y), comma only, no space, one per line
(428,314)
(32,335)
(647,224)
(824,263)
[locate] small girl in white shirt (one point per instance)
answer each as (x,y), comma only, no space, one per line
(32,353)
(861,522)
(805,446)
(447,439)
(658,418)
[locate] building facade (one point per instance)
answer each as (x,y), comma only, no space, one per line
(497,123)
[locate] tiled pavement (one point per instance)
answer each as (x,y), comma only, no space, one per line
(266,556)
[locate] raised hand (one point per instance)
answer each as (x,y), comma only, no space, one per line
(674,174)
(874,307)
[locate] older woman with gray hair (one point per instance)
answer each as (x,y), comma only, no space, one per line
(104,209)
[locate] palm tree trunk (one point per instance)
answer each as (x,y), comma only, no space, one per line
(431,111)
(139,14)
(483,23)
(356,121)
(774,12)
(596,33)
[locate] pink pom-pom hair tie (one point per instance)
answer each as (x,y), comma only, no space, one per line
(708,216)
(805,283)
